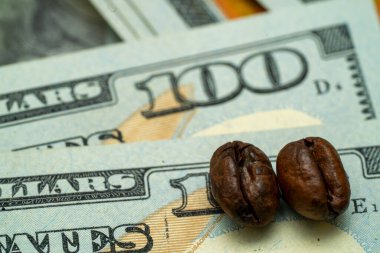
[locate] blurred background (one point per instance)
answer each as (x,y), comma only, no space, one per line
(31,29)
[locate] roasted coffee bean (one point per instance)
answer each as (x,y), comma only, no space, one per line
(244,183)
(312,178)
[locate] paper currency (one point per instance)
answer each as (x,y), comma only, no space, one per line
(214,80)
(136,19)
(155,197)
(34,29)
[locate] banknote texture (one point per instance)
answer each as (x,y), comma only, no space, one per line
(156,197)
(322,71)
(195,13)
(315,68)
(100,91)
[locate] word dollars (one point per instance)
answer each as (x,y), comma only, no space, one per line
(94,239)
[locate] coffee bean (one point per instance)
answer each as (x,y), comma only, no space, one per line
(244,183)
(312,178)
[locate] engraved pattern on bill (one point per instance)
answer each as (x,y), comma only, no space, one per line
(194,12)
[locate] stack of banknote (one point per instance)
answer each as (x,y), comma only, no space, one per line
(166,82)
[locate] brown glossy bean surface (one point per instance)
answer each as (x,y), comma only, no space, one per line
(244,183)
(312,178)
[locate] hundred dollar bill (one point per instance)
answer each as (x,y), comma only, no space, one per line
(155,197)
(32,29)
(214,80)
(136,19)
